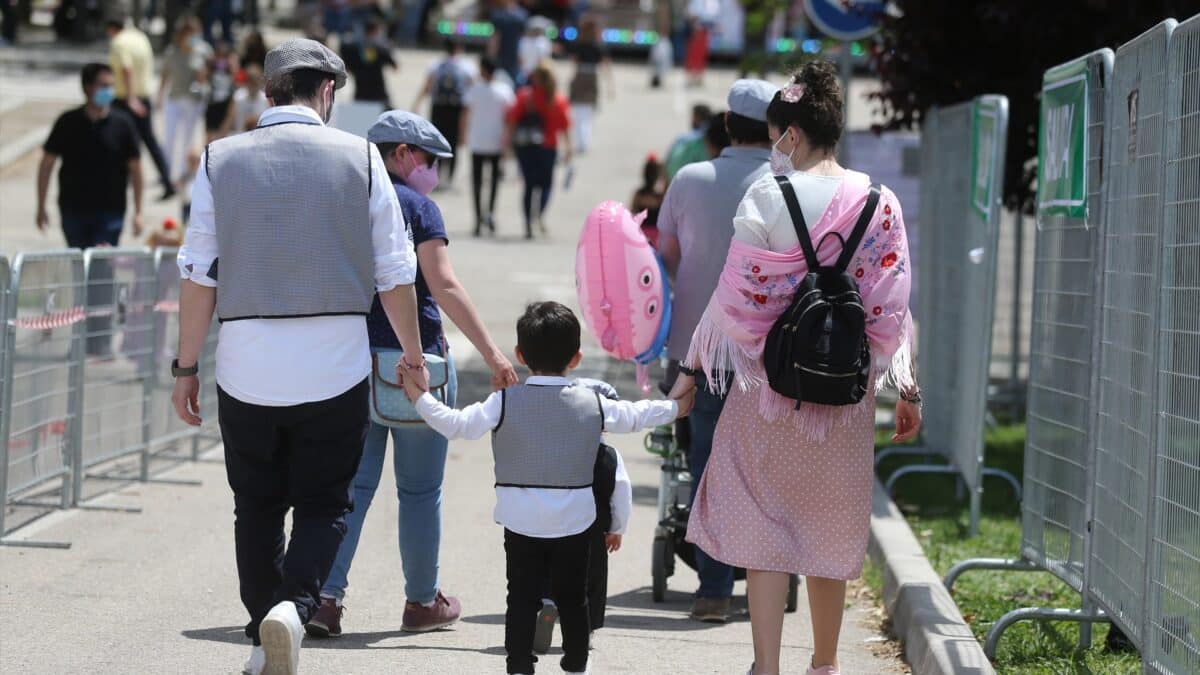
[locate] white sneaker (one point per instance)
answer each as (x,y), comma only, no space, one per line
(281,633)
(254,665)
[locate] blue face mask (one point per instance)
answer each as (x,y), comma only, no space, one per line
(103,96)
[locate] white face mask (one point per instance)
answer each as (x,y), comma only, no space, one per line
(781,163)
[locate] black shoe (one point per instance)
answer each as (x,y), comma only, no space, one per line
(168,193)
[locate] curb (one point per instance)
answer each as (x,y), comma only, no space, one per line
(22,145)
(937,641)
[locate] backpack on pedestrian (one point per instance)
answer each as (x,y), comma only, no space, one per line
(817,350)
(449,85)
(530,129)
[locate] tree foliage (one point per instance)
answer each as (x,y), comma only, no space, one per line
(940,52)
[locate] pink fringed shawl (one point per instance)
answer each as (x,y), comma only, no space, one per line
(756,285)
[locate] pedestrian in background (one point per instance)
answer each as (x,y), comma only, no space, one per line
(534,47)
(446,84)
(648,197)
(716,135)
(484,109)
(249,101)
(183,90)
(411,147)
(131,60)
(689,146)
(508,23)
(98,146)
(538,122)
(366,59)
(222,72)
(218,12)
(695,227)
(702,14)
(254,50)
(591,59)
(293,360)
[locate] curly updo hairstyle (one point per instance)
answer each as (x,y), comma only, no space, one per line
(820,111)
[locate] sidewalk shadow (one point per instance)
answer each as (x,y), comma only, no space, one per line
(369,640)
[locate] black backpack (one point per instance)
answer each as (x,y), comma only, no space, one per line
(449,85)
(817,350)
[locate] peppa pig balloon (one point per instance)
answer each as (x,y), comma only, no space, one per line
(622,286)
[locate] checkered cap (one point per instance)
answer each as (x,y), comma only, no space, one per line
(300,53)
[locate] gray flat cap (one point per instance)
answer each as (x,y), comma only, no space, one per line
(750,98)
(401,126)
(299,53)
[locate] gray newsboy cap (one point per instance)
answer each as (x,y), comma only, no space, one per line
(401,126)
(300,53)
(750,98)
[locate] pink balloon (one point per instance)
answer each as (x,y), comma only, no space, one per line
(621,285)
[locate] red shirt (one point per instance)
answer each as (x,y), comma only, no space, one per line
(556,118)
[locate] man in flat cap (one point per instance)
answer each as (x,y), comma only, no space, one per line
(411,148)
(294,229)
(695,228)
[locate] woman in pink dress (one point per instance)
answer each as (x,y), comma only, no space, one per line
(788,491)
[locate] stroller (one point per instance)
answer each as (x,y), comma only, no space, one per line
(674,499)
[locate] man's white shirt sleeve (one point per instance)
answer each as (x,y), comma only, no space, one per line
(199,248)
(395,257)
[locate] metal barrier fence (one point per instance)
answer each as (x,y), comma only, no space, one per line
(44,331)
(1126,426)
(119,344)
(964,146)
(1174,561)
(1064,343)
(1112,502)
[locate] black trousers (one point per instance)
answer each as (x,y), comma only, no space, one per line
(300,457)
(446,118)
(597,580)
(530,561)
(145,129)
(480,162)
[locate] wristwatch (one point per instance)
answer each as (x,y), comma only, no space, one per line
(176,371)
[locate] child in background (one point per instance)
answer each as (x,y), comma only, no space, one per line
(649,197)
(249,101)
(544,439)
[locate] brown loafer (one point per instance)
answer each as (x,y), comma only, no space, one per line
(326,622)
(711,610)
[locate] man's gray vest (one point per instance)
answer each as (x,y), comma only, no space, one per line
(293,222)
(547,437)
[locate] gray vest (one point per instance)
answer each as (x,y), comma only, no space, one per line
(293,223)
(548,436)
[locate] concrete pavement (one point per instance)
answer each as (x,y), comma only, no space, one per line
(157,592)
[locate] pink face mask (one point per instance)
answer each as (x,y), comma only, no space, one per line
(422,177)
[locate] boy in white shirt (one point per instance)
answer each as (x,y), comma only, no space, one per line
(484,108)
(544,439)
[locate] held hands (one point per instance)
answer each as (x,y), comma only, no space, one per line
(684,394)
(908,421)
(415,380)
(186,399)
(612,542)
(503,373)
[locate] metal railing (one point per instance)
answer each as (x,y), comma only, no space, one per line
(962,151)
(85,373)
(1112,473)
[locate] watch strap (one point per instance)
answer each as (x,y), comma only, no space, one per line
(176,371)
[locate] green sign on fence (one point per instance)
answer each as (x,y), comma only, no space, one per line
(984,142)
(1062,141)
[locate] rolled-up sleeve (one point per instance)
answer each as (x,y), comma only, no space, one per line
(395,256)
(199,249)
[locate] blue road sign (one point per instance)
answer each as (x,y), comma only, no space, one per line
(845,19)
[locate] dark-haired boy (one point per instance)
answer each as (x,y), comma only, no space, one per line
(544,438)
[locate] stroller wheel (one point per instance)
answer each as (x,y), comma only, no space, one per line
(661,560)
(793,596)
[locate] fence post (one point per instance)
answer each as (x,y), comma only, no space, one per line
(6,370)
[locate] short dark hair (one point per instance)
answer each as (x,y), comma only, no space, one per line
(91,72)
(820,110)
(488,66)
(452,45)
(701,112)
(297,85)
(743,129)
(115,19)
(548,337)
(716,135)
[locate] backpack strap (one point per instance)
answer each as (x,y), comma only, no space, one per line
(860,228)
(801,227)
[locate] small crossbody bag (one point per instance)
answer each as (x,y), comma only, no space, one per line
(390,406)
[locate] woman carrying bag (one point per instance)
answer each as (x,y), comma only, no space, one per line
(788,487)
(411,146)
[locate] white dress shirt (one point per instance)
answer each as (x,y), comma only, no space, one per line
(544,512)
(282,362)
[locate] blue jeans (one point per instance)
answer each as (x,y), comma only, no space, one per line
(419,459)
(716,578)
(87,228)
